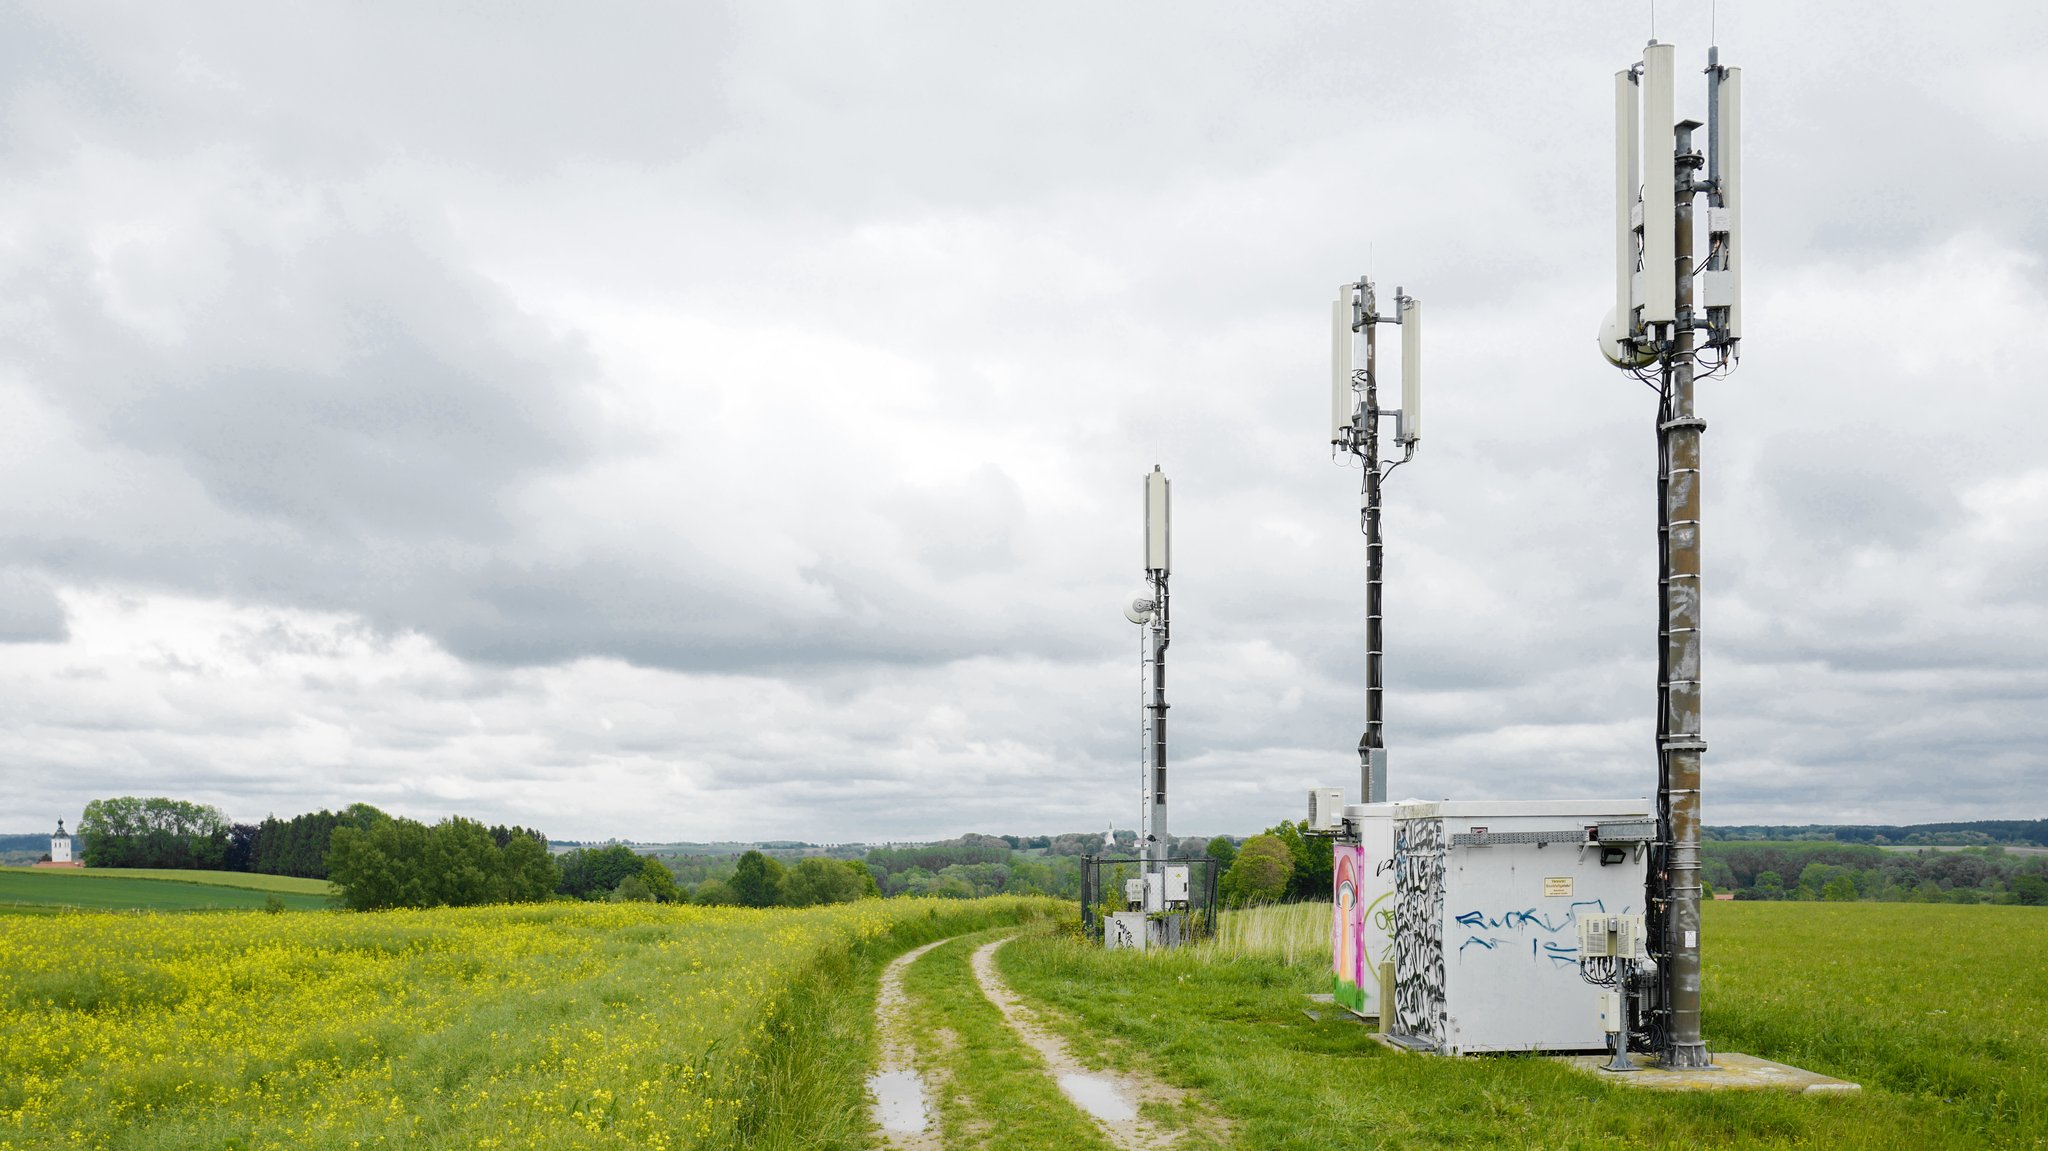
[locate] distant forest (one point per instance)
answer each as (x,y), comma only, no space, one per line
(1848,872)
(1973,833)
(1958,862)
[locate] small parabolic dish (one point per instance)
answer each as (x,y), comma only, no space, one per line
(1610,346)
(1139,609)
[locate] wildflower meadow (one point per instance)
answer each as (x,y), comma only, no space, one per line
(550,1026)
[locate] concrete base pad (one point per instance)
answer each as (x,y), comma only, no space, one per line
(1732,1071)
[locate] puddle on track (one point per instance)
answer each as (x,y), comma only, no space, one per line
(899,1101)
(1098,1097)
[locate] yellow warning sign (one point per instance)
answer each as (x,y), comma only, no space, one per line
(1557,886)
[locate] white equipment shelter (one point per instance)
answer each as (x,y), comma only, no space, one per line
(1487,901)
(1467,916)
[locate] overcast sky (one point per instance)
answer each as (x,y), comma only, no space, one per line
(672,422)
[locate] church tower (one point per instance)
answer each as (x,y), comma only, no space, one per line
(60,846)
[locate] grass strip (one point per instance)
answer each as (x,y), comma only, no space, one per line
(251,880)
(1942,1016)
(129,893)
(992,1091)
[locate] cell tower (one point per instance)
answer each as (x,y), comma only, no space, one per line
(1355,430)
(1151,612)
(1170,900)
(1672,319)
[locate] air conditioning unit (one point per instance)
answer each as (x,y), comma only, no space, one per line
(1326,809)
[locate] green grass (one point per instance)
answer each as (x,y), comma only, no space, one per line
(254,881)
(1289,932)
(1851,990)
(138,890)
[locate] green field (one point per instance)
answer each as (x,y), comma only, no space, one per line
(636,1025)
(1941,1012)
(111,889)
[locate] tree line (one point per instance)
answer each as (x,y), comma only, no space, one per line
(156,831)
(399,862)
(1965,833)
(130,831)
(1282,864)
(1844,872)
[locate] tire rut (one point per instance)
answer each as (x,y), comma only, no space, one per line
(902,1100)
(1110,1098)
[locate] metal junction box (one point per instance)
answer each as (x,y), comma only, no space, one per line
(1176,885)
(1487,901)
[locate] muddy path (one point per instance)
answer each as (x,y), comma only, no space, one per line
(902,1100)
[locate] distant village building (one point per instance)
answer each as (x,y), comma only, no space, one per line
(60,850)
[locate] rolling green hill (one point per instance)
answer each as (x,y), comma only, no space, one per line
(112,889)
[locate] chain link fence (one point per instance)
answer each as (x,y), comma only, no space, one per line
(1113,890)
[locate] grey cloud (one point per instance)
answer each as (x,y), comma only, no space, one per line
(469,337)
(347,384)
(964,530)
(330,92)
(30,611)
(1859,487)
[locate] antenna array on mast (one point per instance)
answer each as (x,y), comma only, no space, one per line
(1667,313)
(1355,430)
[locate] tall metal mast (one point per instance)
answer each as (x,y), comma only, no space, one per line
(1658,315)
(1355,415)
(1158,564)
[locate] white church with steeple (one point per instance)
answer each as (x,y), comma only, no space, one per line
(60,850)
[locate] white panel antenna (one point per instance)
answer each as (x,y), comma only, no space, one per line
(1411,370)
(1660,282)
(1627,139)
(1355,415)
(1158,521)
(1729,150)
(1343,400)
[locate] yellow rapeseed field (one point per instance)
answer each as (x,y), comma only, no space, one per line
(554,1026)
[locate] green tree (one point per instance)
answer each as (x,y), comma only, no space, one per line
(1311,861)
(1770,885)
(594,873)
(531,874)
(367,868)
(461,867)
(1840,889)
(1260,874)
(713,893)
(659,882)
(757,880)
(2031,890)
(815,881)
(130,831)
(457,862)
(1718,874)
(299,845)
(1223,851)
